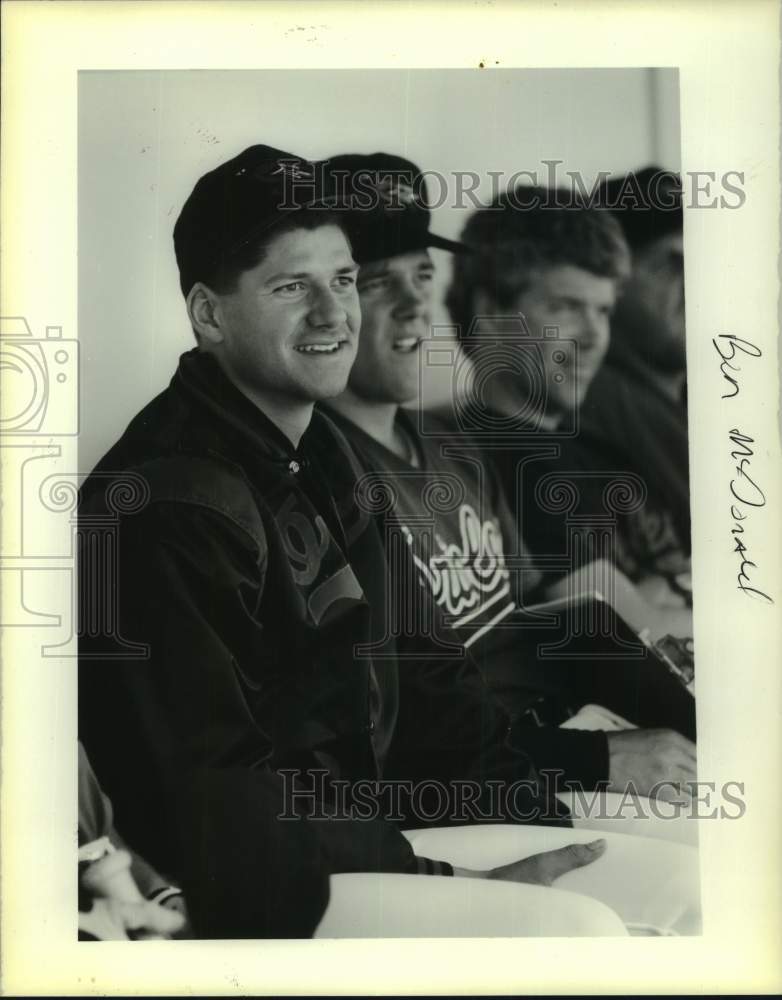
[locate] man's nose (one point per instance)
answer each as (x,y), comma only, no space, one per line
(411,300)
(326,309)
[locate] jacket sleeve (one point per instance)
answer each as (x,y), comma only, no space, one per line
(158,694)
(186,588)
(450,733)
(572,758)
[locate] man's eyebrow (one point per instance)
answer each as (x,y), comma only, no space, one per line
(299,275)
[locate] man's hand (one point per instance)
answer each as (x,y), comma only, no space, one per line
(119,911)
(542,869)
(116,920)
(647,757)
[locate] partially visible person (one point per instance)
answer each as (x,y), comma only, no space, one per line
(120,894)
(637,407)
(242,873)
(533,306)
(648,325)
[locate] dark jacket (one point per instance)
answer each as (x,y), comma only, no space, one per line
(254,581)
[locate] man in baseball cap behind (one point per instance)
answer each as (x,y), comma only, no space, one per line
(386,199)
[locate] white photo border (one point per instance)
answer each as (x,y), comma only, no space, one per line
(728,59)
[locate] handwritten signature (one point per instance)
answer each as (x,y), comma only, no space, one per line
(746,492)
(744,489)
(727,351)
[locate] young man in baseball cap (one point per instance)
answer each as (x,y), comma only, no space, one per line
(248,580)
(169,691)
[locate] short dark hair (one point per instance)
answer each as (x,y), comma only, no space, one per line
(224,273)
(511,242)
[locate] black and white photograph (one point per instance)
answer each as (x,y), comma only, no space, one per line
(399,559)
(371,485)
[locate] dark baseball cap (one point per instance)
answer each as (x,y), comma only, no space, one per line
(385,199)
(237,202)
(647,203)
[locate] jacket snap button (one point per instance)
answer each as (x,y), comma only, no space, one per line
(293,467)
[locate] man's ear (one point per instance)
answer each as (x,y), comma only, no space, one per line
(203,310)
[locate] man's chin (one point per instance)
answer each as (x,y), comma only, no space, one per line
(329,390)
(383,395)
(405,395)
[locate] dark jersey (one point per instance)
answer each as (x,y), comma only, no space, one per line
(459,581)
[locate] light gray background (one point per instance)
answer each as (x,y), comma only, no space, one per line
(145,138)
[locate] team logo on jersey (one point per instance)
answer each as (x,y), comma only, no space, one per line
(468,579)
(325,583)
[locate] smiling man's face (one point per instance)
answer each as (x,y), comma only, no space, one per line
(578,305)
(290,326)
(395,297)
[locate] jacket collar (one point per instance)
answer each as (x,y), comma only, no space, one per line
(200,378)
